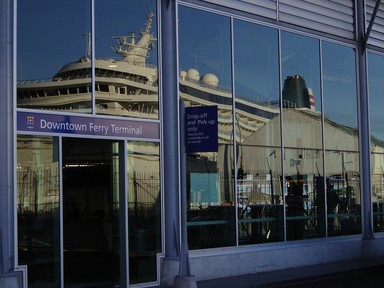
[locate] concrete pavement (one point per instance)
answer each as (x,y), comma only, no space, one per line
(364,273)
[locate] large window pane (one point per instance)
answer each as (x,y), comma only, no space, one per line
(343,192)
(126,75)
(341,139)
(260,197)
(376,104)
(340,102)
(143,165)
(38,212)
(258,133)
(302,136)
(205,80)
(304,195)
(53,64)
(300,62)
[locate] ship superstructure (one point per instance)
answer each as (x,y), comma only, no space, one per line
(128,86)
(123,87)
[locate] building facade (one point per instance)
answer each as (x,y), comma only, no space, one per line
(107,181)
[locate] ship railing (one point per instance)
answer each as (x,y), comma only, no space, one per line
(213,87)
(137,63)
(267,103)
(248,123)
(34,81)
(225,117)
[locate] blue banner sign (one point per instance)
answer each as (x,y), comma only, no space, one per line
(201,129)
(83,125)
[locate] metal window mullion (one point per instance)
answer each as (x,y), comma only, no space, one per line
(123,211)
(93,85)
(13,36)
(323,138)
(234,130)
(61,221)
(282,152)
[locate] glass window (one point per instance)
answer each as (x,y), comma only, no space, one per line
(38,209)
(341,139)
(205,80)
(300,64)
(303,165)
(128,70)
(376,104)
(53,64)
(143,166)
(258,156)
(340,102)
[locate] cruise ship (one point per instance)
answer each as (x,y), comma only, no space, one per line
(128,86)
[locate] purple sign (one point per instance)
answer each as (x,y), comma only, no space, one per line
(201,129)
(83,125)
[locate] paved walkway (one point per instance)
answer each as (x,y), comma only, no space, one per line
(367,273)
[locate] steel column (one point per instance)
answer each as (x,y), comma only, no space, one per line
(170,127)
(364,127)
(7,191)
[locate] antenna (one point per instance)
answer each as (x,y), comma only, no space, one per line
(89,46)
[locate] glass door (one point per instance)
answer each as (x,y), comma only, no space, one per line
(91,213)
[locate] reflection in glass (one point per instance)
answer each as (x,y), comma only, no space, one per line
(300,60)
(301,90)
(143,165)
(303,164)
(343,192)
(376,90)
(259,195)
(53,73)
(38,212)
(210,196)
(340,101)
(256,65)
(304,197)
(341,139)
(126,75)
(205,79)
(258,188)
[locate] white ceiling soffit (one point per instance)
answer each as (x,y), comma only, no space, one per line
(335,17)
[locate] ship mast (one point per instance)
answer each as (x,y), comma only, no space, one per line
(133,50)
(88,50)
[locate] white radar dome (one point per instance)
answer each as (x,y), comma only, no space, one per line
(210,79)
(183,75)
(193,74)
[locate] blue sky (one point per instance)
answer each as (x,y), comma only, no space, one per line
(51,33)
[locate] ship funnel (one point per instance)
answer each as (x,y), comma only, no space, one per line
(295,93)
(311,99)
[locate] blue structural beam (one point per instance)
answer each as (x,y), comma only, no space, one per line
(371,22)
(170,127)
(6,135)
(365,140)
